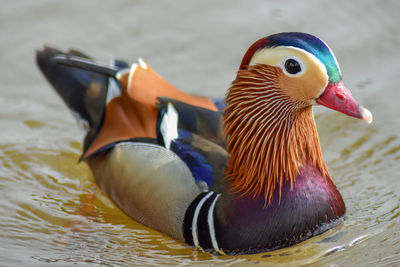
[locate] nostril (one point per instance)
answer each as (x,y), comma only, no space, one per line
(340,95)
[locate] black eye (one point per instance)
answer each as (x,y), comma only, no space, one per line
(292,66)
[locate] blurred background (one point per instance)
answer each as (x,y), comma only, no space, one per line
(197,46)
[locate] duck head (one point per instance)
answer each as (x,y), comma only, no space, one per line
(308,71)
(268,118)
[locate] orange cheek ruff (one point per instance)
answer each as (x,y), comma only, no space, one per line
(268,133)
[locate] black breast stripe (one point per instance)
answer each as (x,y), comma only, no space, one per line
(203,230)
(188,220)
(198,226)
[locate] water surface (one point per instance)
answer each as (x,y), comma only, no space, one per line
(197,45)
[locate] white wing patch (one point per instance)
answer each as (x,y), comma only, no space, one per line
(169,125)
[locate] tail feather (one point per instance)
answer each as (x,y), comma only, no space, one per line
(82,84)
(85,64)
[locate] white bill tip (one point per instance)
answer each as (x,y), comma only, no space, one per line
(366,115)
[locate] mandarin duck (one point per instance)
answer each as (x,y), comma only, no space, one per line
(242,174)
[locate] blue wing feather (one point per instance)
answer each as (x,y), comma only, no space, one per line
(200,143)
(197,163)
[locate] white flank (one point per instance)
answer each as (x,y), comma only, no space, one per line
(195,218)
(169,125)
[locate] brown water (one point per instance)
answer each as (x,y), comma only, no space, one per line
(197,45)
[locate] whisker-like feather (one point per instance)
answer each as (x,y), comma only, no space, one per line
(269,134)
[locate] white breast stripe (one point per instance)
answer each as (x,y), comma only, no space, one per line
(195,218)
(210,220)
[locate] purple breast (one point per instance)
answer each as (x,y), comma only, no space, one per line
(298,214)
